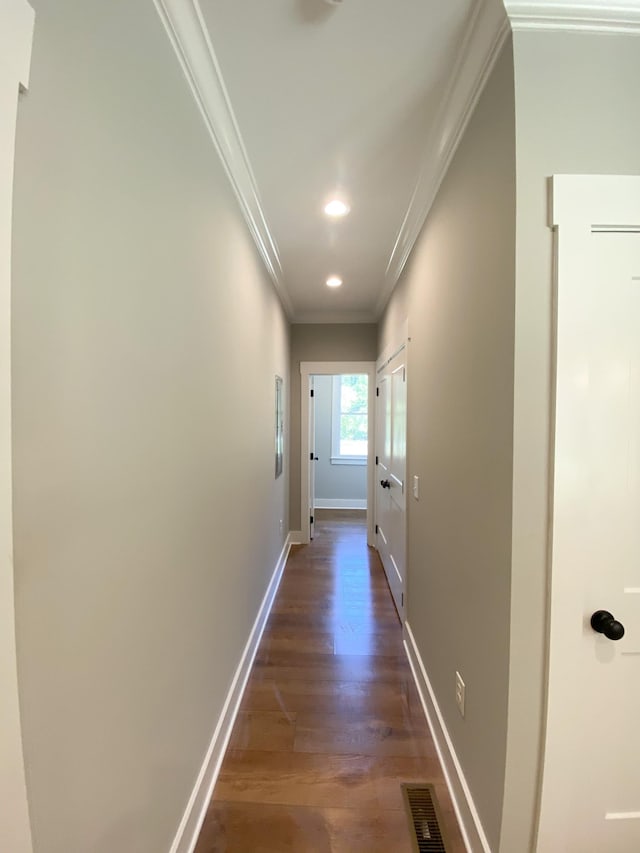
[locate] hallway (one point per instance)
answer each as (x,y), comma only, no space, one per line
(331,723)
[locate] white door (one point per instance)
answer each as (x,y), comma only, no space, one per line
(591,778)
(391,474)
(312,459)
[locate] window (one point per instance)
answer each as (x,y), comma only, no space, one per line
(349,420)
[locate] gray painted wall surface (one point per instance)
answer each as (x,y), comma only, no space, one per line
(576,113)
(137,577)
(147,516)
(333,481)
(320,342)
(458,295)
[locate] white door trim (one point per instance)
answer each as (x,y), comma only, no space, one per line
(16,35)
(581,204)
(332,368)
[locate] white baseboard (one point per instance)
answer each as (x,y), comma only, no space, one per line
(341,503)
(468,818)
(192,820)
(295,537)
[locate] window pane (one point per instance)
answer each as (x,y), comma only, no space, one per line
(353,448)
(353,394)
(353,435)
(353,427)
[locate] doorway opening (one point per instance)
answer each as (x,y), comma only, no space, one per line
(337,441)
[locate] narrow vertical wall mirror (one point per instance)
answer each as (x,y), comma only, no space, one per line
(279,445)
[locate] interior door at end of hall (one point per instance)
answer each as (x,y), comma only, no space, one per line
(591,786)
(391,475)
(312,459)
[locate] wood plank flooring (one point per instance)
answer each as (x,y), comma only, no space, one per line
(330,724)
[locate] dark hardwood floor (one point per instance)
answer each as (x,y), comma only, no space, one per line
(330,724)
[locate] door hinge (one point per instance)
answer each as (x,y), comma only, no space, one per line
(376,460)
(377,392)
(376,528)
(402,599)
(311,456)
(311,393)
(310,519)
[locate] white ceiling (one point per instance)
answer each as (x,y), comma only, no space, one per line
(335,98)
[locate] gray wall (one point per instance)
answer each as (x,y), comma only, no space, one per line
(576,112)
(320,342)
(458,294)
(147,516)
(341,482)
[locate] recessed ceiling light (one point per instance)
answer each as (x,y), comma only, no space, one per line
(334,281)
(336,207)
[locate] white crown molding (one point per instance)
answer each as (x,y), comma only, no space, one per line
(484,37)
(189,37)
(488,27)
(485,34)
(579,15)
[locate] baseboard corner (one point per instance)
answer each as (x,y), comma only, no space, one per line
(340,503)
(466,812)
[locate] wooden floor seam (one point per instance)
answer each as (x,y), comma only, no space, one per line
(324,739)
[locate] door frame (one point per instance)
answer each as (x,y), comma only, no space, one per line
(580,204)
(16,36)
(335,368)
(311,471)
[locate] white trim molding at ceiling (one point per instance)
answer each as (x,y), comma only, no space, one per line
(485,34)
(487,29)
(581,15)
(189,37)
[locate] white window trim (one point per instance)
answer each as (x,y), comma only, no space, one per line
(336,457)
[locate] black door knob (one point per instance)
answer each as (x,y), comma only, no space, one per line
(385,484)
(603,622)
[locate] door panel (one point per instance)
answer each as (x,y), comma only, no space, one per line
(391,498)
(591,781)
(312,455)
(609,451)
(383,504)
(399,431)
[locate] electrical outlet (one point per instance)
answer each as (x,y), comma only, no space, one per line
(460,693)
(281,525)
(416,487)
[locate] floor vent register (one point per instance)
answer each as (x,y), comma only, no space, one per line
(424,816)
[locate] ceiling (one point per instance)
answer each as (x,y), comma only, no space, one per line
(334,100)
